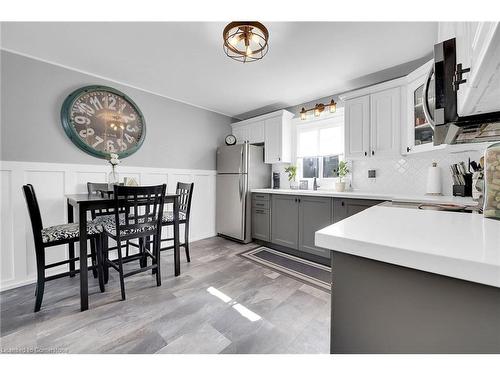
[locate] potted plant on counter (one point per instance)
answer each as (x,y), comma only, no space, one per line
(292,173)
(343,171)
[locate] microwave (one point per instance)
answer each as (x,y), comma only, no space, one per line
(447,76)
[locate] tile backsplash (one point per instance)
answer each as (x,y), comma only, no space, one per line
(407,175)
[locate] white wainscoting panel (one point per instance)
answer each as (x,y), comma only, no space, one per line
(52,181)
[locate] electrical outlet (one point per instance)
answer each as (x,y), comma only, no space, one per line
(372,173)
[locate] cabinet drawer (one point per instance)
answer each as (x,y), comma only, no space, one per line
(261,204)
(261,197)
(261,225)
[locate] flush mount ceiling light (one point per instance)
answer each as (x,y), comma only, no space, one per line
(245,41)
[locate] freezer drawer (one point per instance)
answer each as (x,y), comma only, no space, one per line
(231,205)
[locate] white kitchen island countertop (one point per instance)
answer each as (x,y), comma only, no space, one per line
(460,245)
(356,194)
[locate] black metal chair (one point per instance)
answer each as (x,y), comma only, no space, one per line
(53,236)
(142,217)
(103,215)
(185,192)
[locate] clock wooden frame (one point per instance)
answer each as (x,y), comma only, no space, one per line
(71,133)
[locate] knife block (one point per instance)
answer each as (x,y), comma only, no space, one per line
(464,190)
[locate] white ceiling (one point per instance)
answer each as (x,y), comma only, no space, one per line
(185,60)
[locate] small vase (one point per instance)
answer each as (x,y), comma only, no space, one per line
(113,176)
(294,185)
(340,186)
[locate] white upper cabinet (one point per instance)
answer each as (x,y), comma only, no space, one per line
(357,127)
(273,130)
(278,138)
(478,48)
(385,122)
(251,132)
(373,121)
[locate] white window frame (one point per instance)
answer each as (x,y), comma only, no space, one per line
(315,124)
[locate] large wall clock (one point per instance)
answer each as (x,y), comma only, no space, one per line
(101,120)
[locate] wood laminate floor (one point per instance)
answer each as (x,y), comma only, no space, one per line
(221,303)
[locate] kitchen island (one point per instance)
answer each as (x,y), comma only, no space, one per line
(414,281)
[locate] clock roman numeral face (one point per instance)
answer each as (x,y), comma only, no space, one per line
(106,122)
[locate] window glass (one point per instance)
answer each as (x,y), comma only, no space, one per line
(331,141)
(308,143)
(320,146)
(330,166)
(310,167)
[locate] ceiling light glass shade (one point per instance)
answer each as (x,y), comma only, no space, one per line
(245,41)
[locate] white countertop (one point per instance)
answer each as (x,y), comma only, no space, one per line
(461,245)
(377,196)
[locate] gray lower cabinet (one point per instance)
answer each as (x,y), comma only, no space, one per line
(315,213)
(285,220)
(261,225)
(292,220)
(261,217)
(345,207)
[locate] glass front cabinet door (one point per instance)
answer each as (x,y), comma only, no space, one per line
(419,132)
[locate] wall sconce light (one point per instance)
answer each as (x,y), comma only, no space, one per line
(318,108)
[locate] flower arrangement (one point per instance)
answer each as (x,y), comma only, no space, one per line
(343,170)
(292,172)
(113,160)
(113,175)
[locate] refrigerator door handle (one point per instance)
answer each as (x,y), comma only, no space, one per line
(242,166)
(240,188)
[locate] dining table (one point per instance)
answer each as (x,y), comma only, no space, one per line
(84,203)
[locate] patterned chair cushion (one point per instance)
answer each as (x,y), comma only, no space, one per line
(104,219)
(168,217)
(110,227)
(67,231)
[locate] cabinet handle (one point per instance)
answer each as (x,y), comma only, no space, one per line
(408,149)
(373,152)
(259,204)
(279,159)
(299,200)
(343,203)
(259,211)
(366,153)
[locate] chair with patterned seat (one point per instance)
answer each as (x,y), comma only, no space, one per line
(185,192)
(53,236)
(142,216)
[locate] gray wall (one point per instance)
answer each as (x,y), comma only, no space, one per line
(32,92)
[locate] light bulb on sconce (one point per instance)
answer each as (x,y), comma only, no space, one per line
(317,112)
(333,106)
(303,114)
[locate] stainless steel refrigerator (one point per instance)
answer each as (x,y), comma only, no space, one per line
(240,168)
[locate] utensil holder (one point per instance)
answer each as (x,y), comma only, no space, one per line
(464,190)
